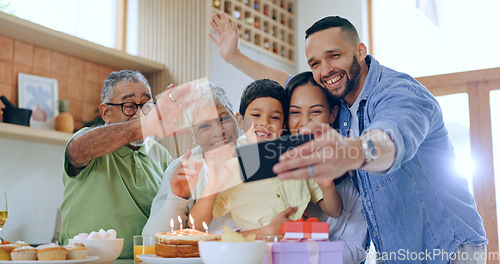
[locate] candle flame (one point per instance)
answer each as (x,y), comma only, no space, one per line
(205,225)
(171,223)
(180,222)
(191,219)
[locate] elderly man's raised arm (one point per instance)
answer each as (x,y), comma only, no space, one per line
(226,39)
(101,141)
(108,138)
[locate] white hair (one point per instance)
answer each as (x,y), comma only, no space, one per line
(210,94)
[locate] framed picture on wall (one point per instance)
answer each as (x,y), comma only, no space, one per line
(39,94)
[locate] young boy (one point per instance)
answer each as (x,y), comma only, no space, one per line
(252,206)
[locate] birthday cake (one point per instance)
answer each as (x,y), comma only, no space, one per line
(181,243)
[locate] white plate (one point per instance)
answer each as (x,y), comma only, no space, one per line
(75,261)
(153,259)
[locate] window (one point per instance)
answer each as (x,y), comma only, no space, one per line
(455,109)
(495,132)
(92,20)
(430,37)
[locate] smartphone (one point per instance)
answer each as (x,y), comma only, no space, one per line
(257,160)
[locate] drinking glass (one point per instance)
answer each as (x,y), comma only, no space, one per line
(3,209)
(144,244)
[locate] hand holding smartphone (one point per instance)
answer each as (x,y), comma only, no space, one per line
(257,160)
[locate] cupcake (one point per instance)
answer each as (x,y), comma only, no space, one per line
(51,252)
(20,244)
(5,251)
(76,251)
(24,253)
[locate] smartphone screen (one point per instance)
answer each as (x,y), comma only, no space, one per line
(257,160)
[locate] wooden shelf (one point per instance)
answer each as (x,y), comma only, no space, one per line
(36,34)
(266,24)
(34,134)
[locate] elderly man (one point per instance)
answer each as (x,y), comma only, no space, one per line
(112,172)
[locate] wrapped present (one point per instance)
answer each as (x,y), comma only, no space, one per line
(306,251)
(309,229)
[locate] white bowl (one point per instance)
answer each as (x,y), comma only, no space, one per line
(218,252)
(107,249)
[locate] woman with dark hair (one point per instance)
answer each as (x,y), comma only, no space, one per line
(310,102)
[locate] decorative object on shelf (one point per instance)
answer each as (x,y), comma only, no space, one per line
(39,94)
(249,20)
(64,121)
(14,115)
(236,14)
(266,24)
(216,3)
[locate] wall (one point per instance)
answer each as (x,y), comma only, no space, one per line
(309,12)
(31,174)
(79,81)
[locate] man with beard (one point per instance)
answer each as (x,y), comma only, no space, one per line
(112,172)
(392,136)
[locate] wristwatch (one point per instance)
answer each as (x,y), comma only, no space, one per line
(369,151)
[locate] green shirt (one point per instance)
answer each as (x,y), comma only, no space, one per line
(114,191)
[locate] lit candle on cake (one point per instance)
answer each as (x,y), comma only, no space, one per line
(180,221)
(192,221)
(206,227)
(171,225)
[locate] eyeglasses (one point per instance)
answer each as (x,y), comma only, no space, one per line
(130,108)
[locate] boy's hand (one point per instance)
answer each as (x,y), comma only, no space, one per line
(185,176)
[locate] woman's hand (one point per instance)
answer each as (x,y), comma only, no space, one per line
(162,120)
(185,176)
(227,36)
(218,171)
(324,183)
(274,227)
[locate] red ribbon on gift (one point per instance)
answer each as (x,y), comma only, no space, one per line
(307,227)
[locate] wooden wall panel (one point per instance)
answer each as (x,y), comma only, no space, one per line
(174,32)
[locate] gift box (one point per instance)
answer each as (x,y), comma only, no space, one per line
(309,229)
(304,252)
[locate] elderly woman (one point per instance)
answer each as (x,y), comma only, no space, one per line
(215,131)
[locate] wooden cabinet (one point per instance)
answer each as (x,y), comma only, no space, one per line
(266,24)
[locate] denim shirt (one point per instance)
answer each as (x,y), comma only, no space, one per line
(420,209)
